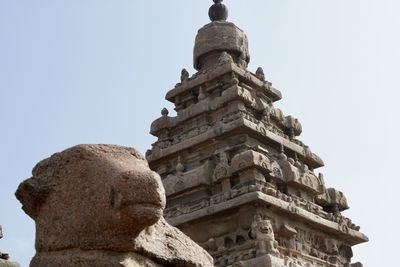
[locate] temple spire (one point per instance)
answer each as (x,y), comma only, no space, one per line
(218,11)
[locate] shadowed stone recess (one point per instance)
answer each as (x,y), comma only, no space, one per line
(101,205)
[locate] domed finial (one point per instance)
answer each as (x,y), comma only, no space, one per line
(218,11)
(164,112)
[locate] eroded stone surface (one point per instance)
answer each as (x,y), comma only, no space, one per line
(101,205)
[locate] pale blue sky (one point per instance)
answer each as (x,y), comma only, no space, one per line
(96,71)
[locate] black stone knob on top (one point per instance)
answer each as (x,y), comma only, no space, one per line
(218,11)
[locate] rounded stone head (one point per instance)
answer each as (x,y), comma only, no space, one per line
(92,197)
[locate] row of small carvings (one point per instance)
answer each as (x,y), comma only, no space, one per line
(294,201)
(248,96)
(263,165)
(178,138)
(238,258)
(225,65)
(262,236)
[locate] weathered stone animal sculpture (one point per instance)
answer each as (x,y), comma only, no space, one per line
(101,205)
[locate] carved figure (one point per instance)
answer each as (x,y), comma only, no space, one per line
(222,170)
(101,205)
(262,231)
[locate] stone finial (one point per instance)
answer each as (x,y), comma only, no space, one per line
(101,205)
(164,112)
(218,11)
(260,74)
(184,75)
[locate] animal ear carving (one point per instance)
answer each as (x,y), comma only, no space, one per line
(32,193)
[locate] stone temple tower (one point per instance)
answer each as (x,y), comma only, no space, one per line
(238,180)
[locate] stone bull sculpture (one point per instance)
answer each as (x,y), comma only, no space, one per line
(101,205)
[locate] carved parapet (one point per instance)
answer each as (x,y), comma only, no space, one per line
(333,201)
(299,175)
(252,160)
(182,181)
(302,151)
(204,77)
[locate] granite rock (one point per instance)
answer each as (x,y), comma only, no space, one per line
(101,205)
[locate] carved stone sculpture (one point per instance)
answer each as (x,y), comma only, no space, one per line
(263,233)
(101,205)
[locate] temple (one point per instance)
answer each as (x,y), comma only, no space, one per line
(238,180)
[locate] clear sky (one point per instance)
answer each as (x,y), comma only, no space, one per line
(96,71)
